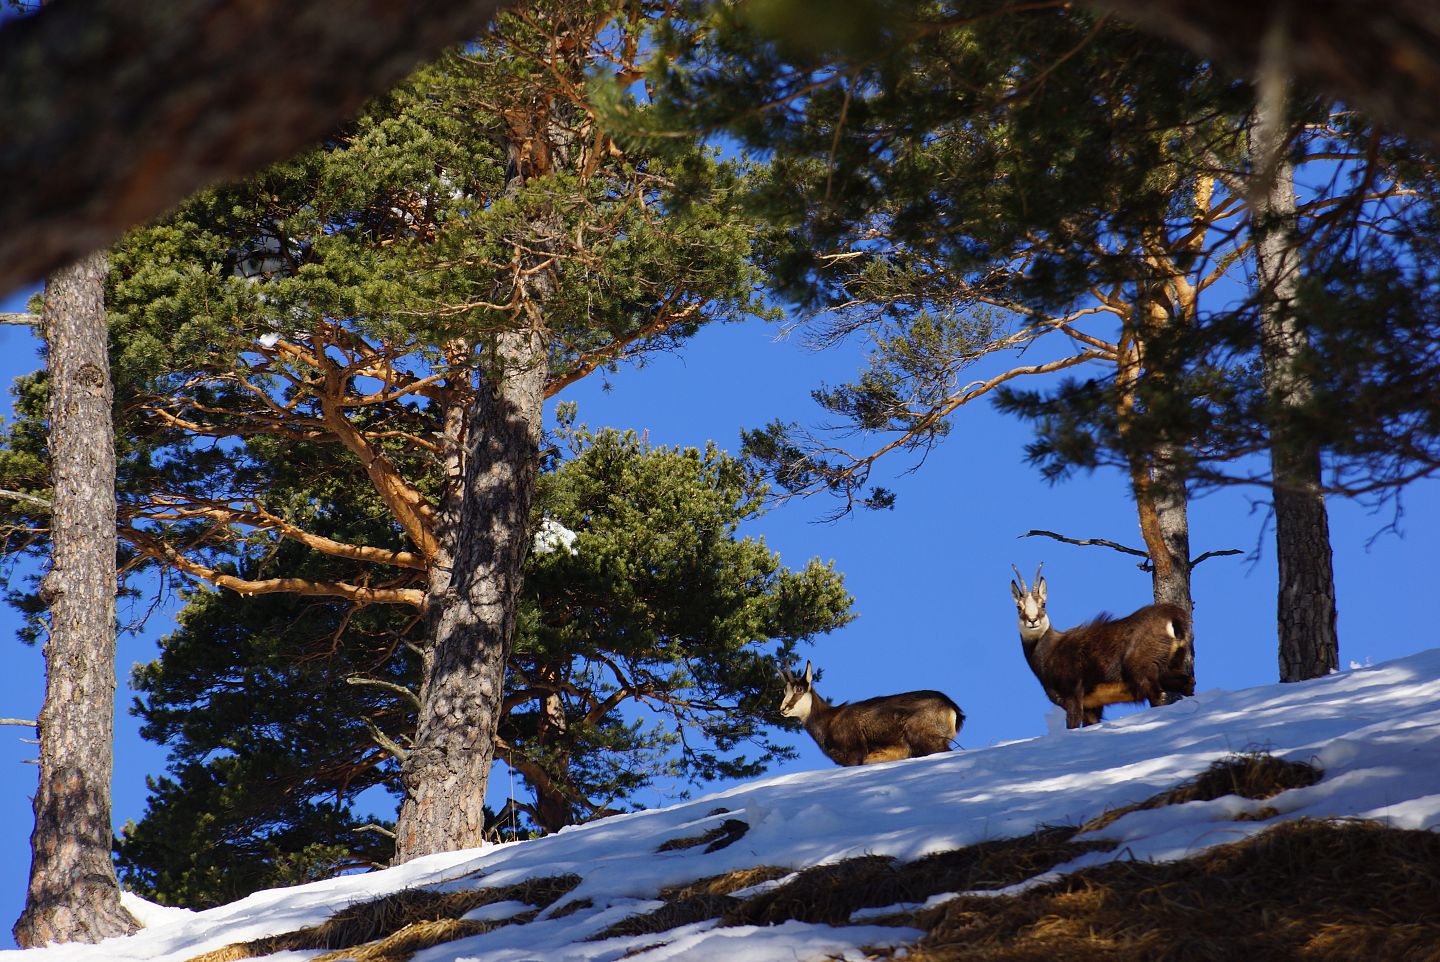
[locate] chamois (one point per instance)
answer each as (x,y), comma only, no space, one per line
(881,729)
(1146,656)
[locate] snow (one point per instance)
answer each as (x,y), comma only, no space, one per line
(1375,731)
(554,536)
(150,914)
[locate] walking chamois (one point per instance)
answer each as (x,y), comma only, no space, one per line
(1147,656)
(881,729)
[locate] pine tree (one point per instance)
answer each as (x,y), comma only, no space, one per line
(970,179)
(645,660)
(979,181)
(406,297)
(73,895)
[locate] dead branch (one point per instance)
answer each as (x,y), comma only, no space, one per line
(1101,542)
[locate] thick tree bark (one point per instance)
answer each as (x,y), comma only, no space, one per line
(446,772)
(1160,496)
(73,894)
(116,111)
(1171,582)
(1308,644)
(1383,58)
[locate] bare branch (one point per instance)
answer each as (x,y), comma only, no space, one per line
(27,722)
(386,742)
(28,498)
(1101,542)
(387,685)
(1215,554)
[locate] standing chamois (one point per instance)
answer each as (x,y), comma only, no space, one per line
(1147,656)
(880,729)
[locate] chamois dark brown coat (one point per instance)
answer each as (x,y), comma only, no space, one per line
(1147,656)
(881,729)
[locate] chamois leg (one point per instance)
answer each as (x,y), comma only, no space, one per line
(1149,689)
(928,746)
(1092,716)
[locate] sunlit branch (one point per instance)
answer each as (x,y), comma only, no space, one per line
(160,551)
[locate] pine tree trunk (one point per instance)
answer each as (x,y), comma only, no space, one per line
(1159,492)
(1171,581)
(446,773)
(73,894)
(554,798)
(1309,645)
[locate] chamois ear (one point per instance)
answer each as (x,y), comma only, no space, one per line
(808,675)
(1040,591)
(1016,593)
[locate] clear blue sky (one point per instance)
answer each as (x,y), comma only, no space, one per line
(929,578)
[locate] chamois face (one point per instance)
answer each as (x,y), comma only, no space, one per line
(1179,676)
(799,695)
(1030,604)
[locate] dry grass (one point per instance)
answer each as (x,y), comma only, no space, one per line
(726,833)
(1305,891)
(671,915)
(727,883)
(399,946)
(705,898)
(1250,775)
(385,922)
(831,893)
(570,908)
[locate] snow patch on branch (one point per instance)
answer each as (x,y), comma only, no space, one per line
(554,536)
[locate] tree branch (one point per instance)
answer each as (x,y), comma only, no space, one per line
(385,741)
(408,504)
(172,97)
(168,509)
(388,686)
(1215,554)
(27,498)
(1101,542)
(360,594)
(1383,58)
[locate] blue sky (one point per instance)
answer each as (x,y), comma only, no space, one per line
(929,577)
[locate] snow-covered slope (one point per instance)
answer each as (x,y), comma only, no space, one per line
(1375,732)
